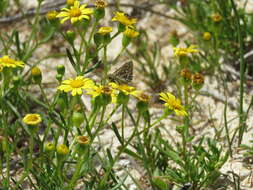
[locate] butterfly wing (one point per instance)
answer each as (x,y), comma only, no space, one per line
(124,74)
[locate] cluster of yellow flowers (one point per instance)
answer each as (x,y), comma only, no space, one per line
(76,12)
(77,85)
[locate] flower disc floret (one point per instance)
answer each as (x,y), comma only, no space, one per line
(75,13)
(6,61)
(173,103)
(32,119)
(76,85)
(123,19)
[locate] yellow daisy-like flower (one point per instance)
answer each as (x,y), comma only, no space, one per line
(98,90)
(173,103)
(123,19)
(105,30)
(32,119)
(51,15)
(141,96)
(185,51)
(62,149)
(75,13)
(123,88)
(130,32)
(76,85)
(6,61)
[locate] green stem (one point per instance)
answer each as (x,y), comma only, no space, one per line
(242,125)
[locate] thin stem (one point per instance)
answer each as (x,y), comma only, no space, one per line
(242,125)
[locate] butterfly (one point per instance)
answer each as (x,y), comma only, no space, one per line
(122,75)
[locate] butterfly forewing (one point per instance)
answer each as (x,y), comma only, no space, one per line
(124,74)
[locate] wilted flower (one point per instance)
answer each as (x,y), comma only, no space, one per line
(62,149)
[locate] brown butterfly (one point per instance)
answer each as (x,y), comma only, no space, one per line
(122,75)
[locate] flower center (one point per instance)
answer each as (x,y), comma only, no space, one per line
(144,97)
(76,83)
(75,12)
(107,90)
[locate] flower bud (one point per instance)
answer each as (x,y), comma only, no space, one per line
(49,147)
(185,76)
(70,2)
(197,81)
(70,36)
(62,150)
(122,98)
(60,69)
(207,36)
(36,75)
(59,77)
(216,17)
(16,81)
(99,14)
(51,15)
(77,119)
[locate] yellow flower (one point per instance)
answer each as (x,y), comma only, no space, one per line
(100,4)
(123,88)
(5,61)
(62,149)
(51,15)
(172,103)
(70,2)
(75,13)
(130,32)
(32,119)
(123,19)
(76,85)
(98,90)
(185,51)
(206,36)
(141,96)
(216,17)
(105,30)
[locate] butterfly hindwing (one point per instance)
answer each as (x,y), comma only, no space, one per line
(124,74)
